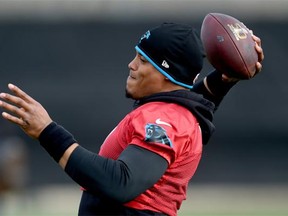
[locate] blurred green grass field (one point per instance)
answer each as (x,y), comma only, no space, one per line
(202,200)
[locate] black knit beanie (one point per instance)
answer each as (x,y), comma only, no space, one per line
(175,50)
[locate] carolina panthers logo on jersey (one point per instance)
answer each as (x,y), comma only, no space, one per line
(157,134)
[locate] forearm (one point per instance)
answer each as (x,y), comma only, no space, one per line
(99,175)
(64,159)
(121,179)
(135,171)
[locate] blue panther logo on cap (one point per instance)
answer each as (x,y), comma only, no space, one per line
(157,134)
(146,35)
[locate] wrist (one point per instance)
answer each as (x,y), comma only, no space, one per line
(56,140)
(216,85)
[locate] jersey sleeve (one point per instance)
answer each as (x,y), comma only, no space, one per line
(156,132)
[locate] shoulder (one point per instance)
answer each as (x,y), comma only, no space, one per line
(165,128)
(159,107)
(159,112)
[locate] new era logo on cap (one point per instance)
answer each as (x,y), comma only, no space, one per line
(165,64)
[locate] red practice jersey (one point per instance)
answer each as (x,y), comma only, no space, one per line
(171,131)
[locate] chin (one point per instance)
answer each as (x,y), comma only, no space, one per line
(128,94)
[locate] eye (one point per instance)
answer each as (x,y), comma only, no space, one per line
(142,59)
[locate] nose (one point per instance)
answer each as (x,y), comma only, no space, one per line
(132,65)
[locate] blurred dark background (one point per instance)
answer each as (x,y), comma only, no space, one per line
(76,66)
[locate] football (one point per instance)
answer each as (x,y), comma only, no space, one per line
(229,45)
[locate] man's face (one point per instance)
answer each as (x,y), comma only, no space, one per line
(143,79)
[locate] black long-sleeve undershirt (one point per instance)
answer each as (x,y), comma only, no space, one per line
(136,170)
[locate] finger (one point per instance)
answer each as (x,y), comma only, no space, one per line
(13,119)
(257,40)
(13,109)
(258,67)
(260,52)
(258,48)
(20,93)
(15,100)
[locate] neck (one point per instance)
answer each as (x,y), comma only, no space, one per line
(169,86)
